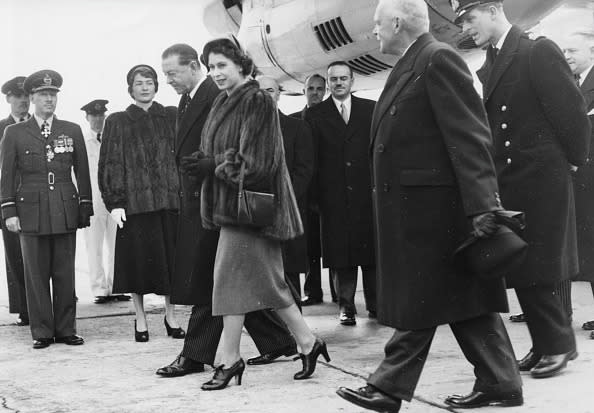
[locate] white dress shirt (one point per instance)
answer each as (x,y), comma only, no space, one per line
(346,103)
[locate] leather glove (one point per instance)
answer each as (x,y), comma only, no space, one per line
(484,225)
(195,167)
(85,211)
(119,216)
(13,224)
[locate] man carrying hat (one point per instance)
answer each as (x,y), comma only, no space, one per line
(45,208)
(540,131)
(102,232)
(17,300)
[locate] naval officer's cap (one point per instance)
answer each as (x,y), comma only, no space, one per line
(461,7)
(14,86)
(96,107)
(43,80)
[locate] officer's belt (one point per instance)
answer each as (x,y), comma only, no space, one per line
(50,179)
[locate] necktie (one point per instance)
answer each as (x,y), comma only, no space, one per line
(492,53)
(578,77)
(21,120)
(45,130)
(99,136)
(185,102)
(344,114)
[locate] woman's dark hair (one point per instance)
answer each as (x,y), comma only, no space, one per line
(231,51)
(144,71)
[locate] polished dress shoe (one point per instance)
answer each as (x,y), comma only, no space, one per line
(72,340)
(140,336)
(372,314)
(174,332)
(101,299)
(307,301)
(180,367)
(480,399)
(223,376)
(588,325)
(550,365)
(529,361)
(517,318)
(270,357)
(347,319)
(309,360)
(370,398)
(119,297)
(22,321)
(42,342)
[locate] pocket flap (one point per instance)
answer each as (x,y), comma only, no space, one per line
(426,177)
(69,192)
(26,196)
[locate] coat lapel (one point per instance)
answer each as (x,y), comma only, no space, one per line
(587,88)
(502,61)
(195,109)
(33,128)
(353,124)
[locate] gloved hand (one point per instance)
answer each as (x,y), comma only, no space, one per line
(197,165)
(13,224)
(484,225)
(119,216)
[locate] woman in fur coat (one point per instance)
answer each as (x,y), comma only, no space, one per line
(243,127)
(139,185)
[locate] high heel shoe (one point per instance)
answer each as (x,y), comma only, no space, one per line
(222,376)
(140,336)
(174,332)
(310,360)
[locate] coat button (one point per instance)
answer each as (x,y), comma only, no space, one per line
(380,148)
(22,199)
(386,187)
(51,187)
(503,108)
(393,110)
(508,161)
(350,188)
(504,126)
(26,152)
(507,143)
(347,163)
(197,194)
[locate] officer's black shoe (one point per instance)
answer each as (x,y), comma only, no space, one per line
(529,361)
(72,340)
(347,319)
(22,321)
(180,367)
(370,398)
(42,343)
(270,357)
(101,299)
(120,297)
(517,318)
(588,325)
(307,301)
(479,399)
(549,366)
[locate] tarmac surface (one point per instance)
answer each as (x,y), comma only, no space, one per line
(113,373)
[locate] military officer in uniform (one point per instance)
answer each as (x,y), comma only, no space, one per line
(17,300)
(100,236)
(40,202)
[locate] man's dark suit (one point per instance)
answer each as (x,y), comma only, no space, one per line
(432,170)
(539,127)
(343,194)
(15,276)
(196,250)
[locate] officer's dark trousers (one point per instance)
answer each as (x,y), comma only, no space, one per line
(15,273)
(548,323)
(313,278)
(483,340)
(204,332)
(345,285)
(564,292)
(48,257)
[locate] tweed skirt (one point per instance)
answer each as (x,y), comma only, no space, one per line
(248,273)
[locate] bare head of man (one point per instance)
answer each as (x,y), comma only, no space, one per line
(181,68)
(578,48)
(398,23)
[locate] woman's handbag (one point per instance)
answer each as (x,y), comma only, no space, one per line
(254,209)
(498,255)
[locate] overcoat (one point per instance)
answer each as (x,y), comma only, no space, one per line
(432,170)
(299,156)
(343,182)
(196,245)
(36,177)
(539,126)
(584,195)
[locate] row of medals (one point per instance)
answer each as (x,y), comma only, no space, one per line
(52,151)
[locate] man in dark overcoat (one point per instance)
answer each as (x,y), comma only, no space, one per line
(578,48)
(540,129)
(40,202)
(15,276)
(197,246)
(340,128)
(299,156)
(434,180)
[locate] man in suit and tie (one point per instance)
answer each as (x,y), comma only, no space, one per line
(40,202)
(434,181)
(340,127)
(15,277)
(578,48)
(197,246)
(540,131)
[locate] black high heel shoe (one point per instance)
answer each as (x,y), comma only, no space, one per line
(310,360)
(222,376)
(140,336)
(174,332)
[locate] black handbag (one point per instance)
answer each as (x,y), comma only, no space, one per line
(254,209)
(498,255)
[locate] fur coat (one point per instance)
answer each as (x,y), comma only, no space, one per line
(137,168)
(244,126)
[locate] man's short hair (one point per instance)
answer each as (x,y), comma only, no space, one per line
(416,15)
(314,76)
(340,63)
(186,53)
